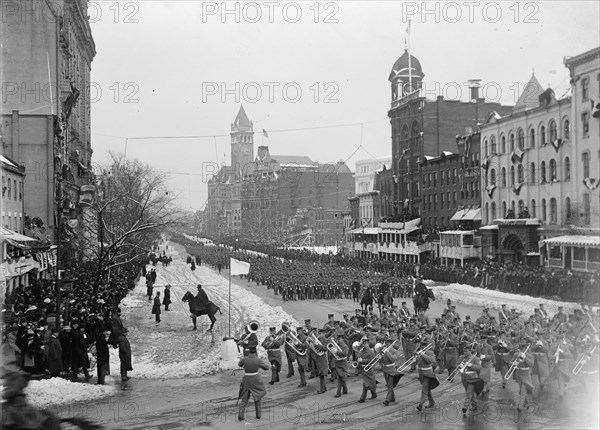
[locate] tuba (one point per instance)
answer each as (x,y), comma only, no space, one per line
(292,341)
(252,328)
(313,340)
(334,348)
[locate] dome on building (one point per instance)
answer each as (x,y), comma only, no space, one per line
(400,67)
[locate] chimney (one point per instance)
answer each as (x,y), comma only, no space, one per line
(474,85)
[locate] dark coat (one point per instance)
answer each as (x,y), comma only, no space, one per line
(80,357)
(124,354)
(102,353)
(67,351)
(167,297)
(54,355)
(156,306)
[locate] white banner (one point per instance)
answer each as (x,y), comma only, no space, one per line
(238,267)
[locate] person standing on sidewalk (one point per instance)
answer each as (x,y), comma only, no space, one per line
(167,297)
(156,307)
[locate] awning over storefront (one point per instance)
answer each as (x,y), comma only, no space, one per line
(472,214)
(576,240)
(459,215)
(6,234)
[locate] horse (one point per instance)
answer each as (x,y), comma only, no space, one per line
(366,300)
(421,301)
(199,309)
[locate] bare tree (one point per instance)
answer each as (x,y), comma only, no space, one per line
(131,208)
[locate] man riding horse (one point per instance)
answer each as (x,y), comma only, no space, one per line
(422,297)
(201,305)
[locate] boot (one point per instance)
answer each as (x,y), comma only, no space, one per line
(302,378)
(344,388)
(323,387)
(258,408)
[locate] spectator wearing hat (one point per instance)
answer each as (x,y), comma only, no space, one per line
(29,343)
(103,356)
(167,297)
(156,307)
(64,337)
(251,383)
(272,344)
(54,354)
(119,339)
(79,358)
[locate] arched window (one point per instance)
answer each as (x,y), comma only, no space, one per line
(503,145)
(521,138)
(494,149)
(512,142)
(586,164)
(493,177)
(568,209)
(543,172)
(521,207)
(553,130)
(512,175)
(553,169)
(414,132)
(487,150)
(520,173)
(532,209)
(493,211)
(512,207)
(543,210)
(553,211)
(503,209)
(566,129)
(504,177)
(543,135)
(532,173)
(532,138)
(487,212)
(567,169)
(404,135)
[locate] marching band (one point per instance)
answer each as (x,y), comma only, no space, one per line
(538,349)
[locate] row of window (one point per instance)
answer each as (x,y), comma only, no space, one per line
(449,200)
(11,189)
(14,223)
(550,206)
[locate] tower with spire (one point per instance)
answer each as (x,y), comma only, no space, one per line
(242,143)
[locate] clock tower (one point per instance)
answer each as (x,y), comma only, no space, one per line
(242,143)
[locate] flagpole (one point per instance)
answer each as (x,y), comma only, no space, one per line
(230,298)
(409,61)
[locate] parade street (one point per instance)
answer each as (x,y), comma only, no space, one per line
(176,382)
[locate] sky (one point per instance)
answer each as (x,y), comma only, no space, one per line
(314,75)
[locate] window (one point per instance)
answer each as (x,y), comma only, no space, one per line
(512,207)
(493,177)
(567,209)
(455,199)
(586,164)
(487,149)
(454,177)
(521,138)
(521,206)
(532,211)
(512,142)
(543,172)
(487,212)
(503,209)
(543,208)
(448,177)
(520,173)
(494,149)
(553,211)
(585,123)
(20,190)
(9,193)
(585,89)
(532,138)
(567,169)
(503,145)
(493,211)
(442,200)
(504,177)
(566,129)
(512,175)
(543,136)
(553,131)
(553,170)
(586,209)
(532,173)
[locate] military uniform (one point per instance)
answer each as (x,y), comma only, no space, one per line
(251,383)
(273,344)
(427,376)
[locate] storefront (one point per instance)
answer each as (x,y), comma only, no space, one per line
(577,252)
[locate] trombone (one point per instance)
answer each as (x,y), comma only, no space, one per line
(408,363)
(460,369)
(379,355)
(515,363)
(292,341)
(583,360)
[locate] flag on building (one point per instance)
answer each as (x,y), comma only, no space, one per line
(265,134)
(238,267)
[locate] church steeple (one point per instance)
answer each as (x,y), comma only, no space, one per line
(242,143)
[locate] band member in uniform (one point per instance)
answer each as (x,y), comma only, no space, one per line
(366,354)
(427,376)
(251,383)
(272,343)
(562,354)
(321,363)
(290,355)
(247,341)
(390,372)
(541,368)
(341,363)
(486,355)
(503,358)
(302,358)
(451,352)
(470,378)
(523,374)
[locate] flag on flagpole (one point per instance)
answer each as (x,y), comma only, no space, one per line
(265,134)
(238,267)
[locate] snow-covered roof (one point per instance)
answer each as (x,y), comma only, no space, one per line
(575,240)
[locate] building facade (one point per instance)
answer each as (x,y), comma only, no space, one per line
(13,205)
(366,171)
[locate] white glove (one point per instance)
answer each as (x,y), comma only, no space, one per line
(482,356)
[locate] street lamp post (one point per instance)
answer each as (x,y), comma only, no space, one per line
(58,247)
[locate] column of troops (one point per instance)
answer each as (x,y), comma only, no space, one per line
(537,353)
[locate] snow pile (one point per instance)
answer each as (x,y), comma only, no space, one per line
(55,391)
(317,249)
(493,299)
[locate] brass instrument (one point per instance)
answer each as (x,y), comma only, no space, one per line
(312,341)
(292,341)
(515,363)
(379,355)
(285,327)
(460,369)
(408,363)
(559,350)
(334,348)
(252,327)
(583,360)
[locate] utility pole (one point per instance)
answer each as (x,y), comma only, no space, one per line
(58,247)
